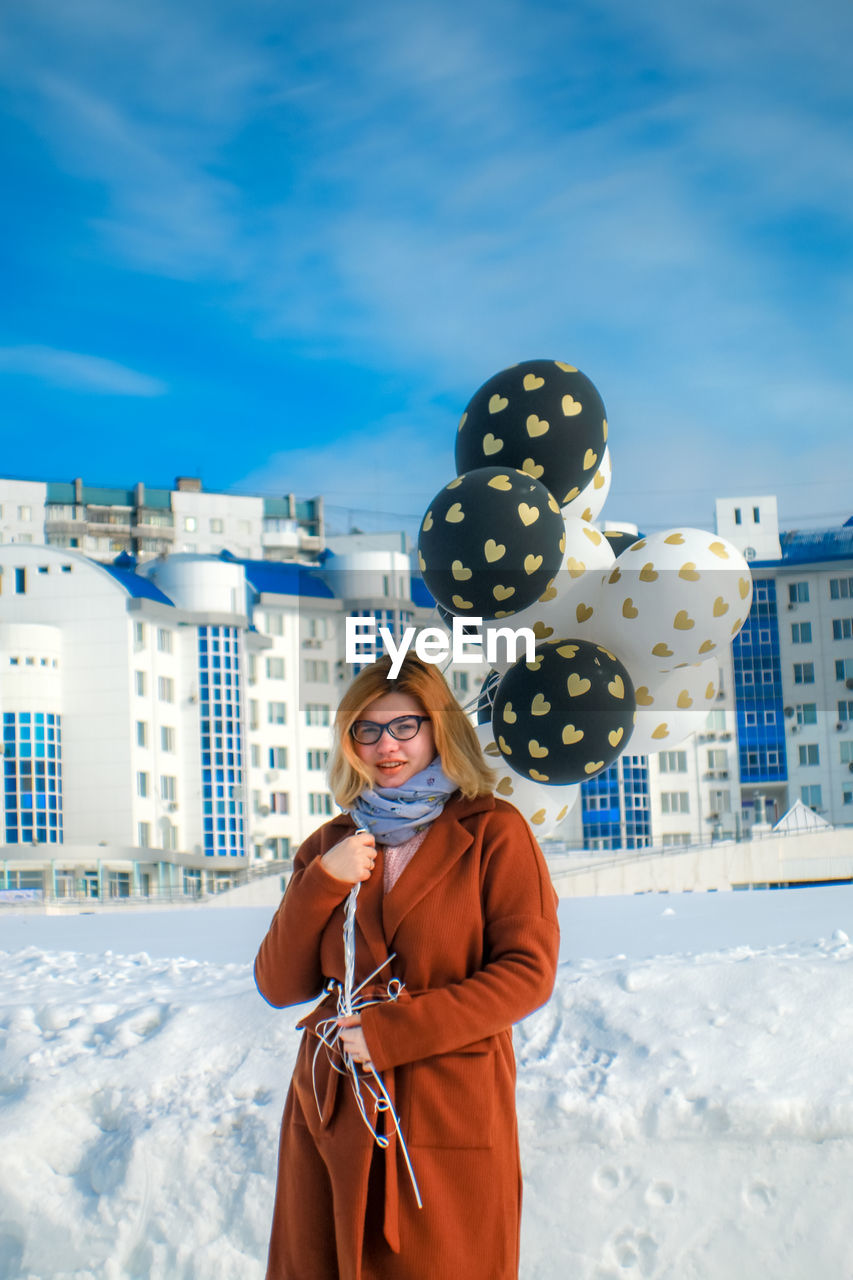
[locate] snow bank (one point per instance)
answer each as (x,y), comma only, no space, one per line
(682,1116)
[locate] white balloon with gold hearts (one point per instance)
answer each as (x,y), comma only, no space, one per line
(544,807)
(565,604)
(672,704)
(589,501)
(673,597)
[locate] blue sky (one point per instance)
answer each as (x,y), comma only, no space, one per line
(280,245)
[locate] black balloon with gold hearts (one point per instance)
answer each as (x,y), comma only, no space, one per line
(620,540)
(543,417)
(567,715)
(490,543)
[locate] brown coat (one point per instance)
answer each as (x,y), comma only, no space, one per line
(472,922)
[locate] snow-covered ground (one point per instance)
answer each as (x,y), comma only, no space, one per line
(685,1100)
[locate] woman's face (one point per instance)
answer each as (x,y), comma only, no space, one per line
(392,763)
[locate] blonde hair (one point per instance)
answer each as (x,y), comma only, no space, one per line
(456,743)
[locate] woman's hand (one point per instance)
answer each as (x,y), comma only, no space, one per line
(353,1042)
(352,859)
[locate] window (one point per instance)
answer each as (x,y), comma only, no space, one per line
(842,628)
(750,719)
(190,524)
(216,525)
(319,804)
(675,839)
(803,673)
(845,710)
(317,628)
(170,836)
(806,713)
(756,515)
(276,713)
(141,733)
(275,624)
(812,795)
(20,582)
(275,668)
(254,714)
(720,801)
(798,593)
(844,669)
(716,721)
(847,752)
(143,835)
(168,787)
(717,758)
(255,756)
(801,633)
(167,738)
(25,513)
(317,759)
(674,801)
(809,754)
(317,713)
(142,784)
(164,640)
(280,802)
(278,757)
(166,689)
(279,846)
(674,762)
(841,588)
(769,717)
(738,516)
(772,759)
(139,635)
(847,796)
(140,683)
(317,670)
(257,802)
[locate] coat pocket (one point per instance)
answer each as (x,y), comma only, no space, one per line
(452,1100)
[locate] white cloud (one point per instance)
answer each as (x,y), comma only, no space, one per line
(75,371)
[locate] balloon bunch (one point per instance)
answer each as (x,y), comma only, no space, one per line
(625,626)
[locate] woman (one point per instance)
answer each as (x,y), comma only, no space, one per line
(455,890)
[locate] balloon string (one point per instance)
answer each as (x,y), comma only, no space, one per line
(329,1032)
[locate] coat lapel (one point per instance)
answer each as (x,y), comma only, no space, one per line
(447,841)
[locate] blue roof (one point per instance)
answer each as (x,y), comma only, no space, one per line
(281,578)
(420,595)
(136,585)
(812,546)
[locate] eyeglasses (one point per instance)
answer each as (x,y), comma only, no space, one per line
(402,728)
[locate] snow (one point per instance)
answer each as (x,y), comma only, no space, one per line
(685,1099)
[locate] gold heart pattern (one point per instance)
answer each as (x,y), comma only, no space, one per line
(537,426)
(644,698)
(593,535)
(720,607)
(615,574)
(682,621)
(589,459)
(689,572)
(648,574)
(576,568)
(674,540)
(427,524)
(539,706)
(662,650)
(567,650)
(567,368)
(572,494)
(537,752)
(532,563)
(454,484)
(550,593)
(505,787)
(743,585)
(537,818)
(662,731)
(497,404)
(615,736)
(459,603)
(541,632)
(532,383)
(571,407)
(717,549)
(706,646)
(628,608)
(500,482)
(617,687)
(593,766)
(571,735)
(460,573)
(504,745)
(684,700)
(509,716)
(455,515)
(463,420)
(531,468)
(577,685)
(529,515)
(494,550)
(584,612)
(491,444)
(502,593)
(539,777)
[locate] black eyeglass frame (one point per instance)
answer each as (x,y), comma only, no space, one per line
(382,726)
